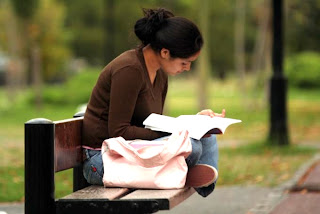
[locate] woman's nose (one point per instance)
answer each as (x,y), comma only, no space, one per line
(187,67)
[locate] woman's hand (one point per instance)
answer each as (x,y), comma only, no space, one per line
(211,113)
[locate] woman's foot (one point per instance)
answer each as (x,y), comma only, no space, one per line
(201,175)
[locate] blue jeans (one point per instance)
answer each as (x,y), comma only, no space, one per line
(204,151)
(93,167)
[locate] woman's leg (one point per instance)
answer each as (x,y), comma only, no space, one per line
(93,167)
(196,153)
(210,155)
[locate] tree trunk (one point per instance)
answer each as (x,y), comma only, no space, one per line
(36,74)
(239,36)
(204,65)
(109,29)
(261,60)
(15,76)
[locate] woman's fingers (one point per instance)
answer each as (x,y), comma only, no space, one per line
(223,114)
(211,113)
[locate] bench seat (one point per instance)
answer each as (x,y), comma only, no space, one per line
(121,200)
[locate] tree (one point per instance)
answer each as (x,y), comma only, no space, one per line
(11,44)
(204,65)
(109,29)
(239,51)
(25,10)
(85,21)
(43,41)
(302,21)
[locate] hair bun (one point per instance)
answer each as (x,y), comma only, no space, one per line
(146,27)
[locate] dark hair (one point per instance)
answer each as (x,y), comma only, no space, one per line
(161,29)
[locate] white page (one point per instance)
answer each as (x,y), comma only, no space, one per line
(197,125)
(162,123)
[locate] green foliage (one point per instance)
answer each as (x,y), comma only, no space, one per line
(25,8)
(85,20)
(303,70)
(75,91)
(302,25)
(44,31)
(220,42)
(53,39)
(91,36)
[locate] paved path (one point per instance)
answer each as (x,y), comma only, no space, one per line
(11,208)
(300,195)
(304,195)
(224,200)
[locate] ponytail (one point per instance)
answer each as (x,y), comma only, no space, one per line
(146,27)
(161,29)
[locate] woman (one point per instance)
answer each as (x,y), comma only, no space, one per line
(134,85)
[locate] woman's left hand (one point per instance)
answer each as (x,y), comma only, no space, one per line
(211,113)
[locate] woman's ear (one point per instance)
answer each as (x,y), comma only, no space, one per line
(165,53)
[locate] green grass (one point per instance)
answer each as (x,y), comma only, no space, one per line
(244,157)
(12,183)
(260,164)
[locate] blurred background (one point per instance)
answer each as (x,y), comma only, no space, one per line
(52,51)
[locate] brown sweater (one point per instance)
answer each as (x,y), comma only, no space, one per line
(122,99)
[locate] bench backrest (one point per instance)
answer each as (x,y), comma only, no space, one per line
(67,143)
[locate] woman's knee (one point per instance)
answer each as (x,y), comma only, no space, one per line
(93,169)
(212,140)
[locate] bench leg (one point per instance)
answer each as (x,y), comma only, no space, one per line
(39,167)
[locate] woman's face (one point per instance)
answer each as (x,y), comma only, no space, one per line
(174,66)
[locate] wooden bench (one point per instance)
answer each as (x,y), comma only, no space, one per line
(53,146)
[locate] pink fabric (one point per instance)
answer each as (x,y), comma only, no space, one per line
(135,164)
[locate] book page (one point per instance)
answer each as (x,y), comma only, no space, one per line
(157,122)
(197,125)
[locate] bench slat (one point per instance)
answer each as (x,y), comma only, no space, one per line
(174,196)
(67,138)
(98,199)
(97,192)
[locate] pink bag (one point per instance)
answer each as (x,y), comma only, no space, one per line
(146,164)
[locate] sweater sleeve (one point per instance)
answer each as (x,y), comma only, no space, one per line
(126,85)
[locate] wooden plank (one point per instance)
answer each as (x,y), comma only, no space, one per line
(97,192)
(68,152)
(174,196)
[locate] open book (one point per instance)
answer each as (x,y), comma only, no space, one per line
(197,125)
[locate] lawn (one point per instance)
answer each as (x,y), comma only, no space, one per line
(245,158)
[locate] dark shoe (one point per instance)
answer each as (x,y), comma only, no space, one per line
(201,175)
